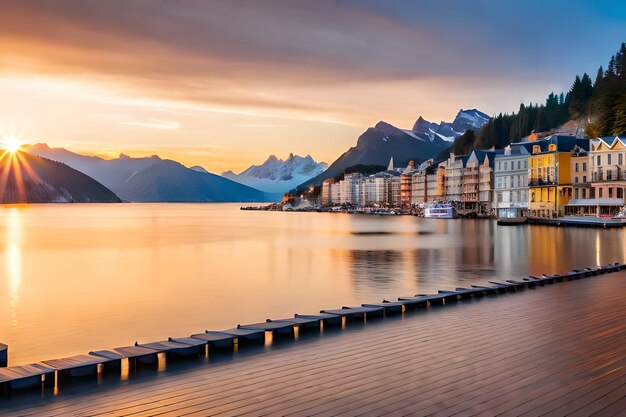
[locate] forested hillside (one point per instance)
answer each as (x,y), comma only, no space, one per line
(602,102)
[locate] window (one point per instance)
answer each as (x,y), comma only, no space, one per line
(599,160)
(608,157)
(584,193)
(519,164)
(584,178)
(499,197)
(620,159)
(576,193)
(525,164)
(576,180)
(584,166)
(592,193)
(599,192)
(576,169)
(610,192)
(620,192)
(532,197)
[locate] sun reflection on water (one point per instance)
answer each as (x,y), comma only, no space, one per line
(13,261)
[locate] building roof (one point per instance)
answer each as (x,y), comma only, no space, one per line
(563,143)
(578,202)
(611,140)
(489,154)
(516,150)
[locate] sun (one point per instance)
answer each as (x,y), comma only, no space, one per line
(11,144)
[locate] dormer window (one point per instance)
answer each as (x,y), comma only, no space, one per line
(536,149)
(552,147)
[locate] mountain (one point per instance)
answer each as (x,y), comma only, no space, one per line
(277,175)
(464,120)
(153,179)
(198,168)
(28,178)
(170,181)
(425,140)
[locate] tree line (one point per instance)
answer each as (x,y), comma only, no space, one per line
(602,104)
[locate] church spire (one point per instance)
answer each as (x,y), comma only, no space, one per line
(390,167)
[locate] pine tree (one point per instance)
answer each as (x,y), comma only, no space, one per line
(576,98)
(599,76)
(619,123)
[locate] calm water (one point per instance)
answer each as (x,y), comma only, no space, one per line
(79,277)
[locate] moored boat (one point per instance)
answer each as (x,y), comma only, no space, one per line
(440,211)
(511,221)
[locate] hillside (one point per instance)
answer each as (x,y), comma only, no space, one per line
(31,179)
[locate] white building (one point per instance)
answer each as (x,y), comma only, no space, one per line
(372,190)
(511,181)
(350,188)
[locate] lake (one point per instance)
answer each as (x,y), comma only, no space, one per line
(75,278)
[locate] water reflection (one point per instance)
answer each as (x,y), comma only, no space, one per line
(117,274)
(13,261)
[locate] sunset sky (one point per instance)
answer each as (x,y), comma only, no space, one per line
(224,84)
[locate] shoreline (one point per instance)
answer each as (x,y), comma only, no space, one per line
(565,221)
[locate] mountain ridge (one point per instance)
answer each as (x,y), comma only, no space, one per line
(278,175)
(378,144)
(138,179)
(33,179)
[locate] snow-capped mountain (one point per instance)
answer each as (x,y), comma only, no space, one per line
(425,140)
(278,176)
(464,120)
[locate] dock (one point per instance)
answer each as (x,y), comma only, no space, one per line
(554,349)
(578,221)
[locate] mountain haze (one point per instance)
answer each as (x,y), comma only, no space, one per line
(153,179)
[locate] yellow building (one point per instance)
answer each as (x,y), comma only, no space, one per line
(549,174)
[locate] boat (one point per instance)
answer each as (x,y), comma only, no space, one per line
(440,211)
(511,221)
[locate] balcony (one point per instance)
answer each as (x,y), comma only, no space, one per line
(609,175)
(533,182)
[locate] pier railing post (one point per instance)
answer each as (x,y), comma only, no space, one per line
(4,355)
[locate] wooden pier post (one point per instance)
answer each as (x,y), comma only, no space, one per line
(4,355)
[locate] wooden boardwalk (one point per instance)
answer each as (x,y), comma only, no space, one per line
(555,350)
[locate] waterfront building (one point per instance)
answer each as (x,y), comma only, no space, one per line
(372,189)
(335,193)
(350,188)
(581,174)
(327,186)
(608,169)
(406,183)
(486,177)
(477,181)
(392,188)
(511,181)
(549,175)
(451,177)
(423,182)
